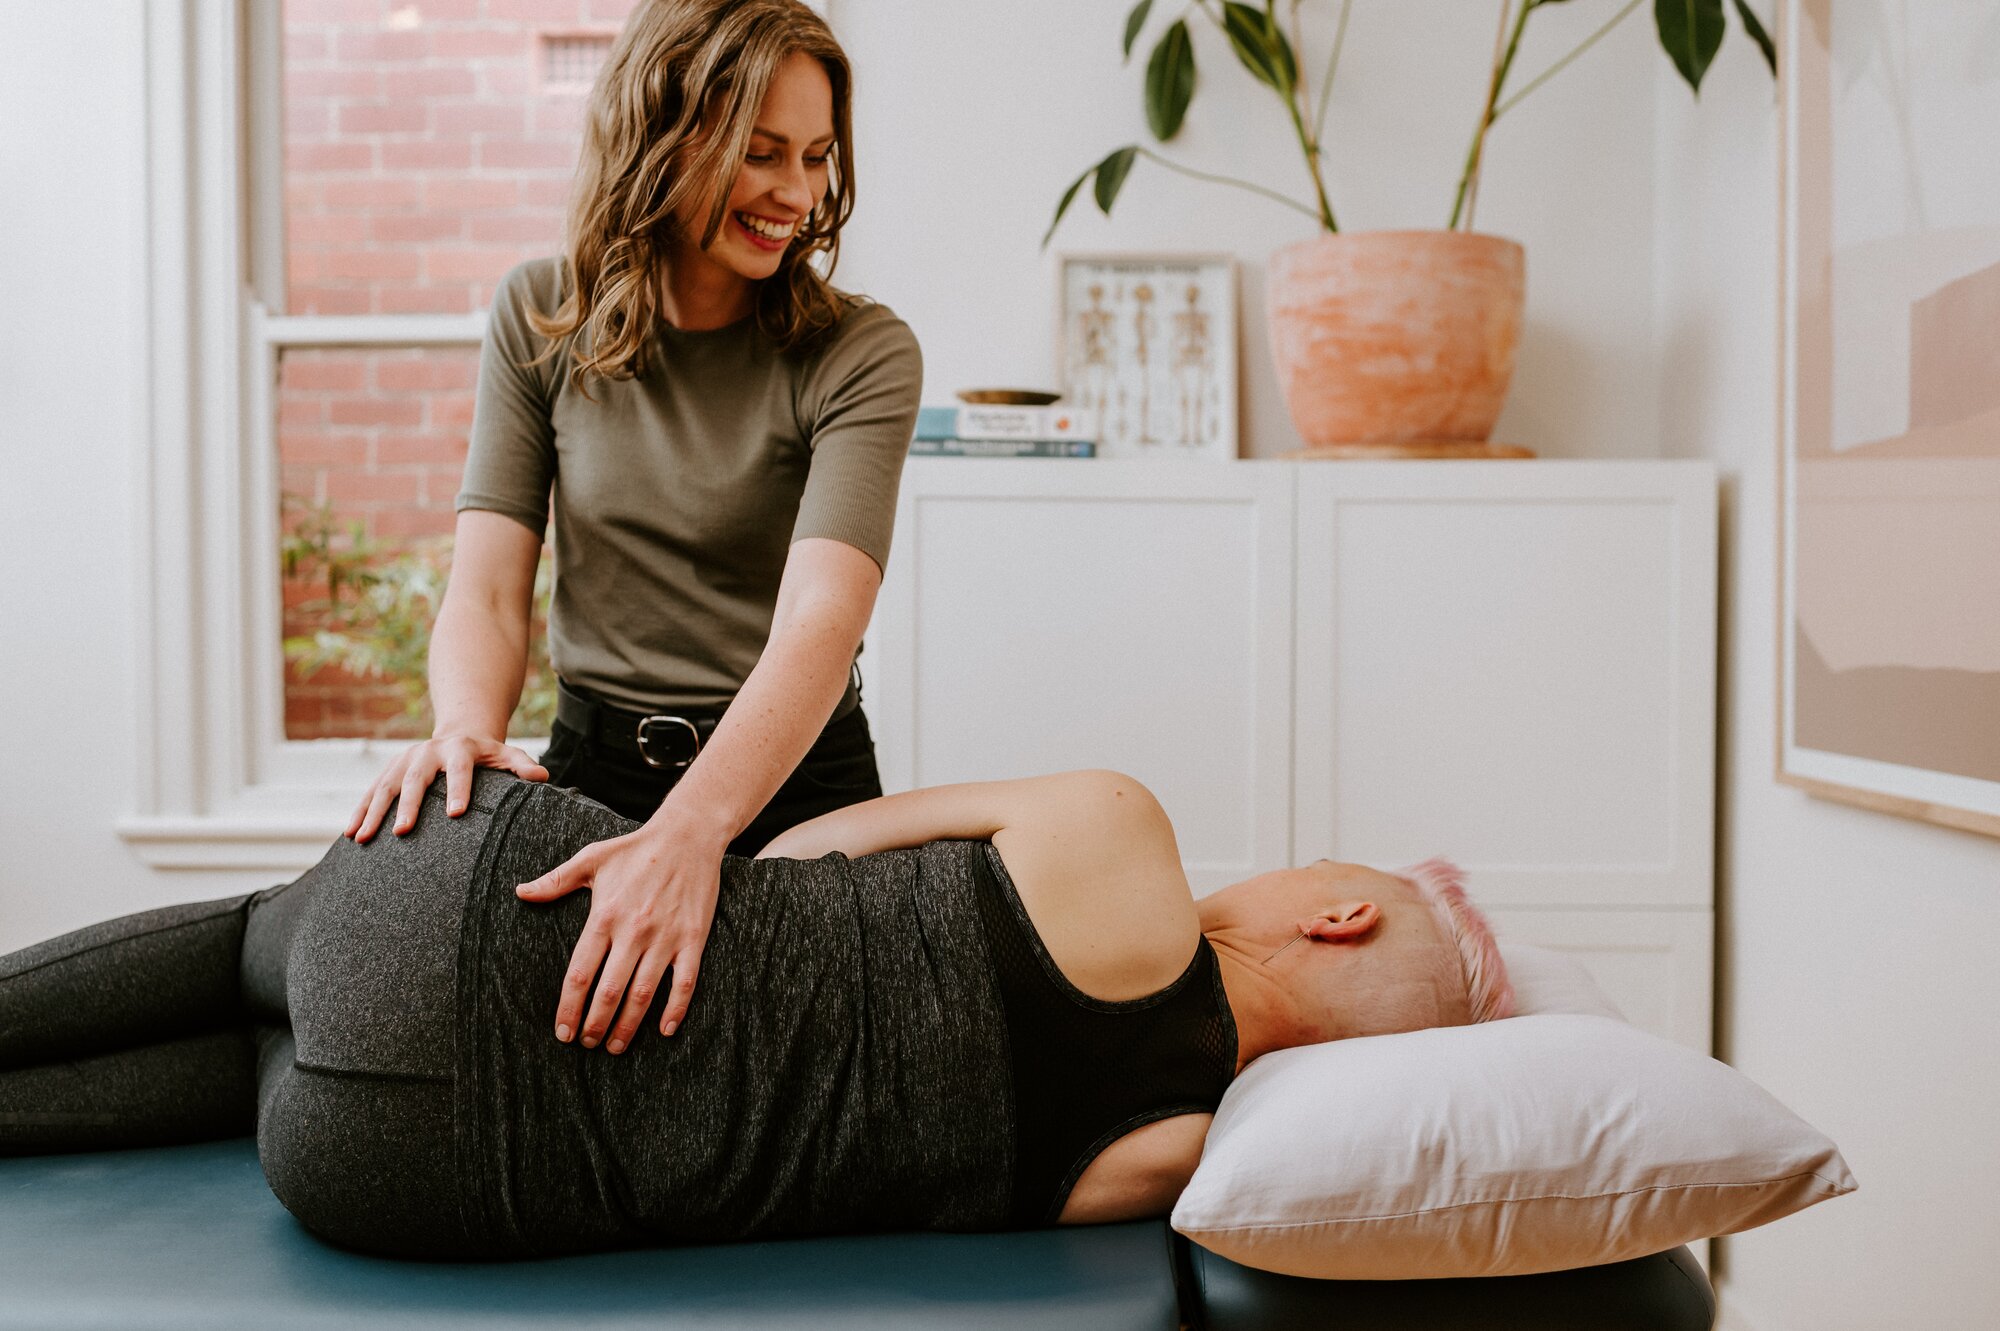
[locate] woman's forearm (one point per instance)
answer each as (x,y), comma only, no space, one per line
(778,713)
(824,601)
(478,663)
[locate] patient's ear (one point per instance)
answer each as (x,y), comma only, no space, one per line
(1343,922)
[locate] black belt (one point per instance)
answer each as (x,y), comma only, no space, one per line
(668,740)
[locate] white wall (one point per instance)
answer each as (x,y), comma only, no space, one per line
(1857,976)
(72,189)
(972,117)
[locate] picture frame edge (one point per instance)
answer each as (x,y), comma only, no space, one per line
(1979,822)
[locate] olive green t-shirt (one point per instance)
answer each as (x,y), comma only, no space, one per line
(678,493)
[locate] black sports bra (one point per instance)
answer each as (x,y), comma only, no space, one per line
(1085,1070)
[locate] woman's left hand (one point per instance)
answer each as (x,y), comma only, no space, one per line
(652,901)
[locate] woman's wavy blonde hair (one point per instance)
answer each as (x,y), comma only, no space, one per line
(669,122)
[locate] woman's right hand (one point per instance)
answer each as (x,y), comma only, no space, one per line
(410,773)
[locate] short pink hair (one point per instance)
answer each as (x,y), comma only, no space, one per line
(1488,991)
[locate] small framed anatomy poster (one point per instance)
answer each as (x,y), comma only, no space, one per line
(1147,342)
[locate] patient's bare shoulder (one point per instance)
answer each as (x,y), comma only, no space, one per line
(1097,867)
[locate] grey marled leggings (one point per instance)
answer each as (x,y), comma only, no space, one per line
(317,1014)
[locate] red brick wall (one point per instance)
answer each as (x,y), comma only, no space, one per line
(424,155)
(379,436)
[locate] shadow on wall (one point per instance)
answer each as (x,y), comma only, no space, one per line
(1724,1030)
(1552,364)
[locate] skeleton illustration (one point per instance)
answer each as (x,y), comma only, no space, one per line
(1190,370)
(1142,335)
(1096,355)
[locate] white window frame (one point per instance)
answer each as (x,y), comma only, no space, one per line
(216,785)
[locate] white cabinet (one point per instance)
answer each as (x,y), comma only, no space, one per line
(1507,663)
(1653,964)
(1045,616)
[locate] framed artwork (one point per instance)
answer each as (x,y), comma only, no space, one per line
(1148,343)
(1889,419)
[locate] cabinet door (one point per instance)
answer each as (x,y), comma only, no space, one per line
(1653,964)
(1045,615)
(1511,664)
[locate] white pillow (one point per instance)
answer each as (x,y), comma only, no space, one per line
(1537,1143)
(1546,980)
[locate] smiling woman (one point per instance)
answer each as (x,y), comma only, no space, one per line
(767,161)
(716,435)
(665,193)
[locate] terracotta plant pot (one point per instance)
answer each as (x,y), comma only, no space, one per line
(1390,337)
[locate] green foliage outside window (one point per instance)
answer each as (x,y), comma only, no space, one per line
(374,615)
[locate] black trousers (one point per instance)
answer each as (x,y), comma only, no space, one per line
(837,771)
(318,1015)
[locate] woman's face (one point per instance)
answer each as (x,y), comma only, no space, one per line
(782,178)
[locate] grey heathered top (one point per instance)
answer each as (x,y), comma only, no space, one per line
(678,493)
(843,1065)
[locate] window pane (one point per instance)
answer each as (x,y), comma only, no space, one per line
(429,145)
(371,445)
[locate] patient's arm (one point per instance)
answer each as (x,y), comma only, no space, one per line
(969,811)
(1097,814)
(1091,853)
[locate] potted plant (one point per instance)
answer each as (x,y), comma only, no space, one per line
(1386,342)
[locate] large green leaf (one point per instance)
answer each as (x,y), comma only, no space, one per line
(1063,207)
(1170,84)
(1111,173)
(1133,22)
(1691,30)
(1757,34)
(1261,46)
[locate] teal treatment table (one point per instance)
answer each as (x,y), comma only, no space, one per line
(190,1238)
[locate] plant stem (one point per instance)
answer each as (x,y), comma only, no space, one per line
(1307,145)
(1548,73)
(1307,142)
(1299,45)
(1332,63)
(1301,111)
(1294,204)
(1499,47)
(1488,116)
(1311,151)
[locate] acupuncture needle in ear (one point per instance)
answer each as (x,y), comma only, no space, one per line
(1274,956)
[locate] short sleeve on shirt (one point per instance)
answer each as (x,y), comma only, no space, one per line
(857,408)
(511,462)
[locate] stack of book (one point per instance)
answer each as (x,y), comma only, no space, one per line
(1005,432)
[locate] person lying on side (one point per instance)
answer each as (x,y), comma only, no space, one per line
(977,1006)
